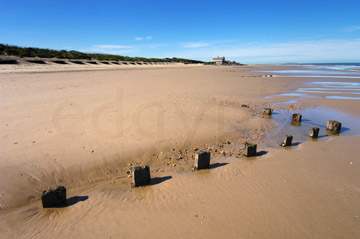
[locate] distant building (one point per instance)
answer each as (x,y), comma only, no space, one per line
(219,60)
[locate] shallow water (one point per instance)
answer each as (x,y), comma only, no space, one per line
(342,97)
(317,117)
(332,90)
(319,76)
(335,84)
(333,67)
(297,94)
(292,94)
(314,72)
(348,88)
(325,91)
(287,102)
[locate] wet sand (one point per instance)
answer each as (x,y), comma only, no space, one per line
(83,129)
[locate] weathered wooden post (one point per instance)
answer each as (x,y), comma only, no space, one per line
(333,126)
(267,111)
(250,149)
(54,197)
(202,160)
(296,117)
(287,141)
(314,132)
(141,175)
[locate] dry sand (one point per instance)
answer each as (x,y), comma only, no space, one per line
(84,128)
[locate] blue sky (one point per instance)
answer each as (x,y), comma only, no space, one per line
(246,31)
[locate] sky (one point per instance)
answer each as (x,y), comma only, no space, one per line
(251,31)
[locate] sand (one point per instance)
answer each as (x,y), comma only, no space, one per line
(83,128)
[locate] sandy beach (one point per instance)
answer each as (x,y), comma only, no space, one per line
(84,127)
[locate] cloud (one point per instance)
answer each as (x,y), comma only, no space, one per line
(352,29)
(143,38)
(113,47)
(124,49)
(118,52)
(195,44)
(330,50)
(281,52)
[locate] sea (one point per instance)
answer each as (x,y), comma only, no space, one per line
(330,66)
(323,80)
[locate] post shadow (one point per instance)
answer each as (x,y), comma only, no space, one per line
(261,153)
(322,136)
(216,165)
(295,144)
(158,180)
(73,200)
(343,129)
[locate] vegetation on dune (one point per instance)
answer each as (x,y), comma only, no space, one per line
(9,50)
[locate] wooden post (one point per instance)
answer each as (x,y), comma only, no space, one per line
(296,117)
(250,149)
(333,126)
(314,132)
(54,197)
(287,141)
(202,160)
(267,111)
(141,175)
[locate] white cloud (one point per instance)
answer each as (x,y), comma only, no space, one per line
(118,52)
(143,38)
(113,47)
(352,29)
(282,52)
(195,44)
(250,52)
